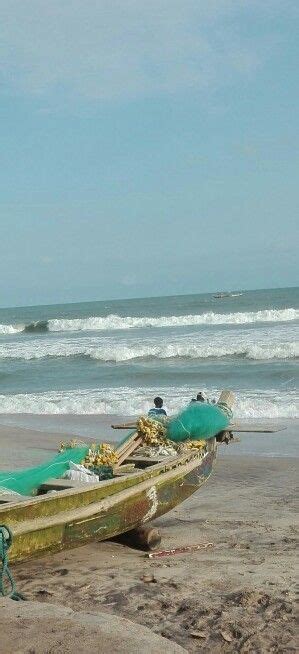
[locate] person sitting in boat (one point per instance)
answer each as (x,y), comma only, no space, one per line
(157,410)
(199,398)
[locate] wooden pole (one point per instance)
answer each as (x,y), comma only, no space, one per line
(128,448)
(227,397)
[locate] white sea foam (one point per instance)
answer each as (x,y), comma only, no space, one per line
(260,346)
(129,322)
(116,322)
(134,401)
(11,329)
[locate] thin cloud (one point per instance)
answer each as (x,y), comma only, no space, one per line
(126,49)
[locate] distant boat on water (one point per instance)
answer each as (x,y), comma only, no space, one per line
(220,296)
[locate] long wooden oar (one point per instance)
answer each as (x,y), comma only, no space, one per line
(125,425)
(255,429)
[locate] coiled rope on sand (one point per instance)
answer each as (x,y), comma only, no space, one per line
(7,582)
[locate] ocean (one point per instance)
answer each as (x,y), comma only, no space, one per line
(113,357)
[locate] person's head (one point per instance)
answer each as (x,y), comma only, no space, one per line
(158,402)
(200,397)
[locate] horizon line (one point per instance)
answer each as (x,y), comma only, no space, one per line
(144,297)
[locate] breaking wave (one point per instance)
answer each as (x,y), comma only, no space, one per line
(117,351)
(134,401)
(113,322)
(38,326)
(210,318)
(11,329)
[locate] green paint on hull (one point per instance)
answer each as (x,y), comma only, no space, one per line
(100,515)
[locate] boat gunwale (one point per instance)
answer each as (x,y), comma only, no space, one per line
(103,505)
(16,511)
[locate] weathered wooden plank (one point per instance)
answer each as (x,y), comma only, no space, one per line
(128,448)
(124,468)
(61,484)
(145,461)
(130,439)
(9,498)
(65,484)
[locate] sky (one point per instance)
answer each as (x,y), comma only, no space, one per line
(147,147)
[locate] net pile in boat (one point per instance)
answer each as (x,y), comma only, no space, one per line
(198,421)
(156,443)
(97,455)
(25,482)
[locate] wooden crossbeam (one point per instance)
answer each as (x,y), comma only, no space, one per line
(255,428)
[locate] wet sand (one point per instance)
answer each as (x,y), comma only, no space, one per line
(237,596)
(30,439)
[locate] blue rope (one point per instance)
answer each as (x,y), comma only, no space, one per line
(7,582)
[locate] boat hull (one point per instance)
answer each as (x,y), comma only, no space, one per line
(155,492)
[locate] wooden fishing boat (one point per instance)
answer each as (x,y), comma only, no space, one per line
(66,514)
(77,513)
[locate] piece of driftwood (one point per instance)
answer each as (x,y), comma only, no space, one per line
(144,538)
(179,550)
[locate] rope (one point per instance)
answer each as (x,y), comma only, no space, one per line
(184,428)
(7,583)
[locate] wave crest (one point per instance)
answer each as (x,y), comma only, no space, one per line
(116,322)
(132,322)
(117,351)
(135,401)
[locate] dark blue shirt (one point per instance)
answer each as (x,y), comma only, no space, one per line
(157,412)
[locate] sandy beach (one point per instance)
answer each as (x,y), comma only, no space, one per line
(149,267)
(237,596)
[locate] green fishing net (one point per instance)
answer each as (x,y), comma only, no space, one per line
(26,481)
(197,421)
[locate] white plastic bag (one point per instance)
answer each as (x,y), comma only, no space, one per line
(78,472)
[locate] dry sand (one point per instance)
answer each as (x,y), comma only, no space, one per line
(46,629)
(237,596)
